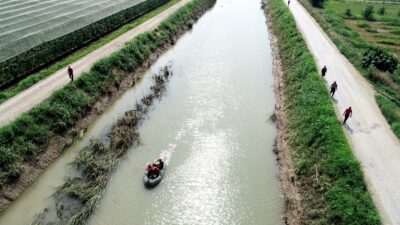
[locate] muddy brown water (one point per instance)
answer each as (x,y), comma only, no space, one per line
(212,127)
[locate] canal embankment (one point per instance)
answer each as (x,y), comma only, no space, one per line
(322,181)
(78,197)
(38,137)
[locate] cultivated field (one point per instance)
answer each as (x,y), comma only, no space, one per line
(383,29)
(25,24)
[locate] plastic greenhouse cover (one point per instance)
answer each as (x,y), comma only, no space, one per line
(26,24)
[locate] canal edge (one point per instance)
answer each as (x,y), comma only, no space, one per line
(286,172)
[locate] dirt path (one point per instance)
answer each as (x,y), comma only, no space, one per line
(27,99)
(373,142)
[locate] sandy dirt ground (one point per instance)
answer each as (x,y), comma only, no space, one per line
(34,95)
(373,142)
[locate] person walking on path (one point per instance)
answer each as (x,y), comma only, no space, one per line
(333,88)
(347,113)
(288,2)
(70,73)
(323,71)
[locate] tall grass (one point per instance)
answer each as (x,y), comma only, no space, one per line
(30,133)
(331,184)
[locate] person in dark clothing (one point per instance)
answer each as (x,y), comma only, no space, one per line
(70,73)
(347,113)
(324,70)
(333,88)
(288,2)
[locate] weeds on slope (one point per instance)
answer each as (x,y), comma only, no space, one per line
(329,178)
(29,135)
(78,197)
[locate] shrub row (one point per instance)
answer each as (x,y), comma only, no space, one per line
(25,63)
(30,133)
(329,177)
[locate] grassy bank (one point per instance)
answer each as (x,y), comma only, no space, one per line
(97,161)
(36,77)
(328,176)
(30,134)
(354,35)
(27,62)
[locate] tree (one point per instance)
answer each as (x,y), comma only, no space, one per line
(317,3)
(381,59)
(368,13)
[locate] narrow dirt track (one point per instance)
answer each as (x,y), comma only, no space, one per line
(36,94)
(373,142)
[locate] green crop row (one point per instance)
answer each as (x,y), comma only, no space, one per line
(24,64)
(329,178)
(30,133)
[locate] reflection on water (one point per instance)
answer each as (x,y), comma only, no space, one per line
(213,127)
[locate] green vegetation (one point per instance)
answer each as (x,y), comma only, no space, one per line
(363,24)
(30,133)
(48,52)
(348,13)
(368,13)
(329,178)
(391,112)
(363,45)
(379,58)
(382,11)
(36,77)
(317,3)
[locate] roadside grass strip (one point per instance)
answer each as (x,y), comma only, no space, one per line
(36,77)
(353,41)
(329,178)
(29,135)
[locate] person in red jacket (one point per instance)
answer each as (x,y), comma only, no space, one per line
(347,113)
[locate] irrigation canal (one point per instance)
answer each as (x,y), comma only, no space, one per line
(212,127)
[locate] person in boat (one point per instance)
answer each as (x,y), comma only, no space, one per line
(159,163)
(324,70)
(152,171)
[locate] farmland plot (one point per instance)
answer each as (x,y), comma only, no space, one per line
(26,24)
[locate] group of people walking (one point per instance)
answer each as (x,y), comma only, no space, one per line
(333,87)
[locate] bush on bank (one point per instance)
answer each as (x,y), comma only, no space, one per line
(30,133)
(329,178)
(25,63)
